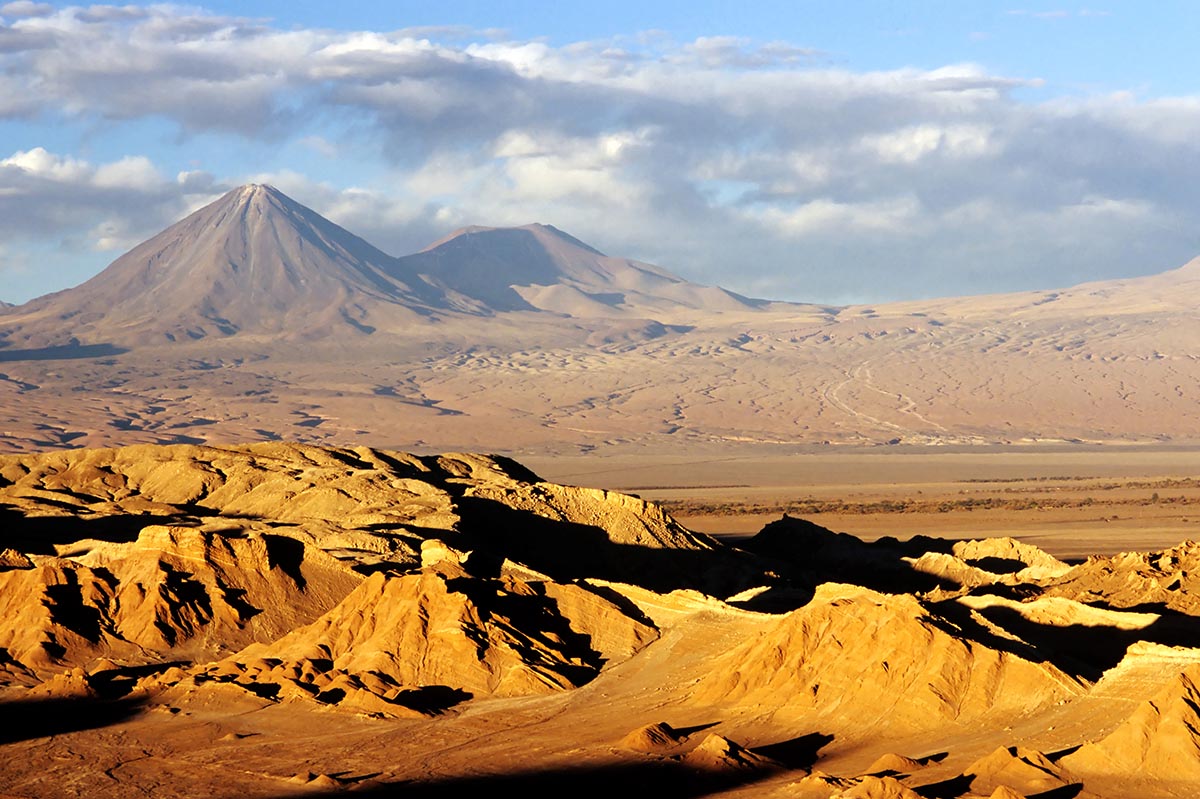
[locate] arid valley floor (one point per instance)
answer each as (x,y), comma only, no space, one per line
(731,546)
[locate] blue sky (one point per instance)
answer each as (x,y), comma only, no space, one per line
(1074,47)
(808,151)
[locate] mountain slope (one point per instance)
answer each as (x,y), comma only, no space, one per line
(252,262)
(540,267)
(1170,292)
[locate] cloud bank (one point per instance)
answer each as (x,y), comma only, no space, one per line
(759,166)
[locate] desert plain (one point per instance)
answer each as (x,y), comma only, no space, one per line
(722,546)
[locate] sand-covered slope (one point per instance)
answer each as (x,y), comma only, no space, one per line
(1159,740)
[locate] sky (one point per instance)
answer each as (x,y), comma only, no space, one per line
(810,151)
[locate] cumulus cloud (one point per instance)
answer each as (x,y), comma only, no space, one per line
(755,165)
(25,8)
(96,206)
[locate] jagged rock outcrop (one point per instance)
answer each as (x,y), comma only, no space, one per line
(1170,578)
(370,508)
(1160,740)
(172,593)
(862,658)
(148,554)
(395,636)
(1018,768)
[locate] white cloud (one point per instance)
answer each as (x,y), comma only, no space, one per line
(101,207)
(134,172)
(39,163)
(733,161)
(130,172)
(25,8)
(910,144)
(826,217)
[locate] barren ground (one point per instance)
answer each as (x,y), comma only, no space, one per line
(814,683)
(1070,502)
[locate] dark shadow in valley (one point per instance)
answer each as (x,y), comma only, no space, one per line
(1059,754)
(685,732)
(27,719)
(1080,650)
(661,778)
(65,352)
(997,565)
(946,789)
(568,550)
(798,753)
(432,699)
(1064,792)
(40,535)
(117,682)
(812,554)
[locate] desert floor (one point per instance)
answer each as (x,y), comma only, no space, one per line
(1070,502)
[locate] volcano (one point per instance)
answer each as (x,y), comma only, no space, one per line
(257,263)
(253,262)
(539,267)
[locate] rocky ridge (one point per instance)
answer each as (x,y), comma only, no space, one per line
(394,588)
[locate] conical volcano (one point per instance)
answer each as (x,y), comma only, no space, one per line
(257,263)
(253,262)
